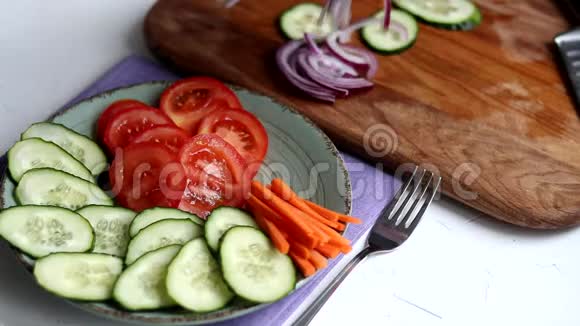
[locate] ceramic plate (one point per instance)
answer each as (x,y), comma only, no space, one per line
(298,152)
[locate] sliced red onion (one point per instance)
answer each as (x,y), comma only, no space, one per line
(387,17)
(311,43)
(330,76)
(336,49)
(340,11)
(372,64)
(284,59)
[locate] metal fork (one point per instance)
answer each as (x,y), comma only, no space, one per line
(393,226)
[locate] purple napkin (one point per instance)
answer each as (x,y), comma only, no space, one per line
(371,188)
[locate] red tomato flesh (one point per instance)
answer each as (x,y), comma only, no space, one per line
(128,124)
(146,175)
(170,136)
(243,131)
(112,110)
(187,101)
(215,173)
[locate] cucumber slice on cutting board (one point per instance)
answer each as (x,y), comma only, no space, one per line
(194,279)
(40,230)
(252,266)
(303,18)
(161,234)
(79,146)
(471,23)
(439,12)
(142,285)
(152,215)
(79,276)
(36,153)
(400,35)
(56,188)
(111,225)
(222,219)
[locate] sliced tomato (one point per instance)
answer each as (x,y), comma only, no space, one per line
(112,110)
(215,172)
(124,126)
(242,130)
(170,136)
(187,101)
(146,175)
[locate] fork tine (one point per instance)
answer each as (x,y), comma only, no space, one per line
(410,195)
(386,213)
(426,203)
(409,216)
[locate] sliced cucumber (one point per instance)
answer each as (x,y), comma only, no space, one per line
(471,23)
(35,153)
(400,36)
(79,146)
(222,219)
(253,268)
(161,234)
(303,18)
(152,215)
(86,277)
(56,188)
(111,225)
(440,12)
(40,230)
(194,279)
(142,285)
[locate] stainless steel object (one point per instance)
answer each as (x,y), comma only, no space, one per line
(568,44)
(393,226)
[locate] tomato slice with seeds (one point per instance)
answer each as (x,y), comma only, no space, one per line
(170,136)
(187,101)
(112,110)
(146,175)
(126,125)
(215,173)
(243,131)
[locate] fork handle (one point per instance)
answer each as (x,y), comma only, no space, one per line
(311,311)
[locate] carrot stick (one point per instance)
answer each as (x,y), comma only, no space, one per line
(334,216)
(300,250)
(304,265)
(349,219)
(273,232)
(284,191)
(334,236)
(340,227)
(318,260)
(328,251)
(285,210)
(257,206)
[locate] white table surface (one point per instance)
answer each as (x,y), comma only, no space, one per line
(460,267)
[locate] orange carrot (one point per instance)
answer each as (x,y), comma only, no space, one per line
(326,213)
(329,251)
(318,260)
(349,219)
(304,265)
(273,232)
(299,250)
(340,227)
(257,206)
(334,216)
(285,210)
(283,190)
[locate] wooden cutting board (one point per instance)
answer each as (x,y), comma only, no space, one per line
(487,109)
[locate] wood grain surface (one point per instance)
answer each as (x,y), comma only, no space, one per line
(488,109)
